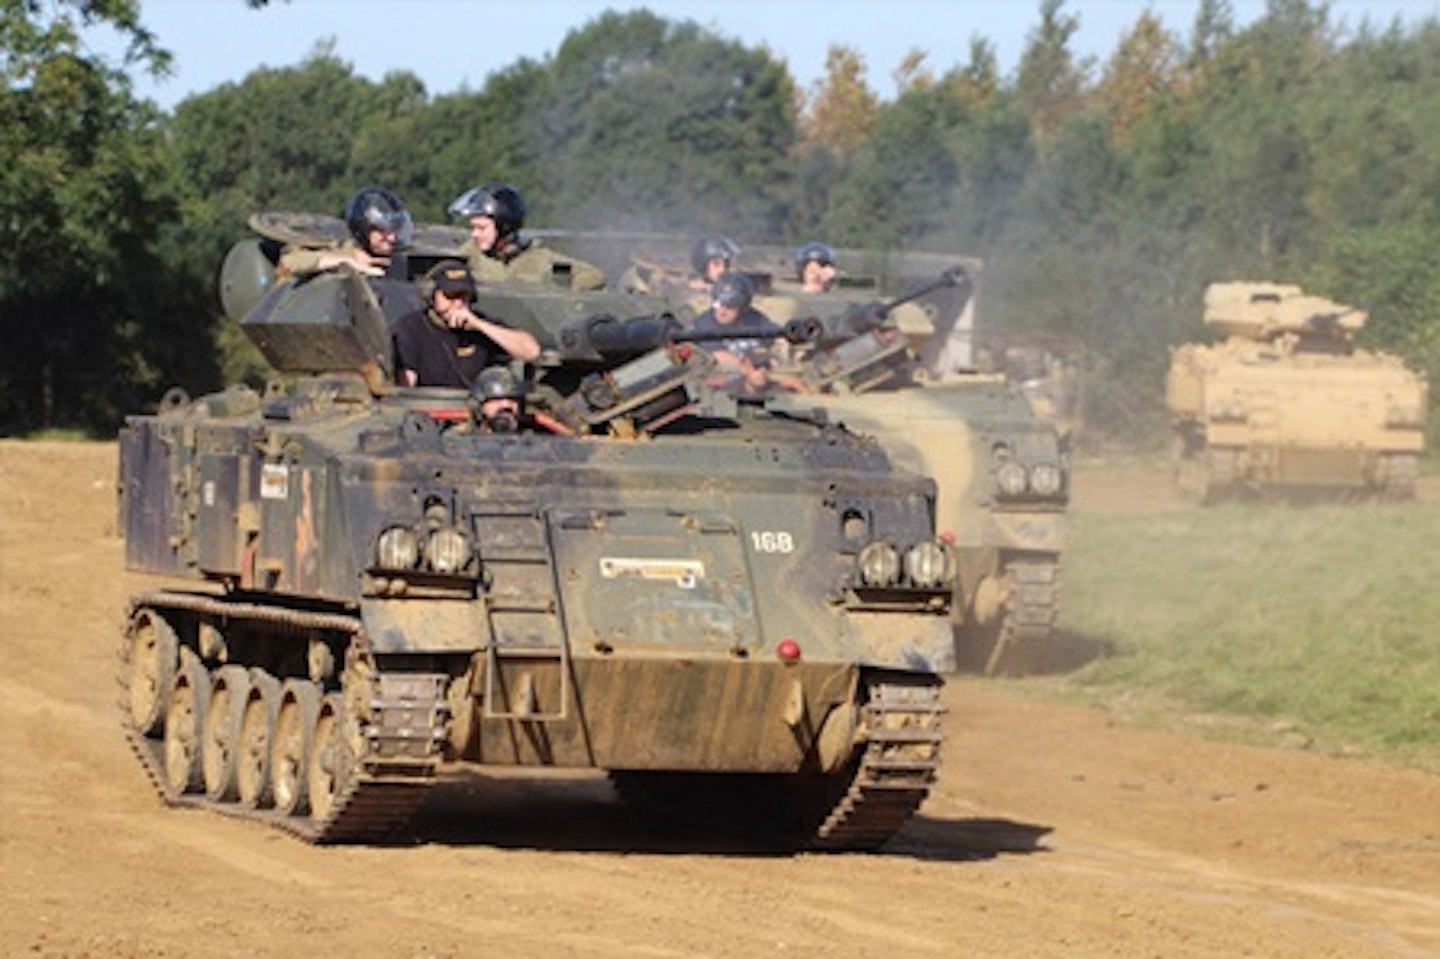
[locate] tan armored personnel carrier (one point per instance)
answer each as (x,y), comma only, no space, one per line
(1288,402)
(896,359)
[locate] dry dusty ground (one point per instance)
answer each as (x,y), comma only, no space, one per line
(1053,831)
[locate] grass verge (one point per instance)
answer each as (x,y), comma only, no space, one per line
(1315,626)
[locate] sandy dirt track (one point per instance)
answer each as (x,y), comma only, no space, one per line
(1054,832)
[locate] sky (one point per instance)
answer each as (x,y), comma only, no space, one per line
(455,44)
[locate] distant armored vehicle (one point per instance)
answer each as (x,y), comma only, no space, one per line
(359,587)
(1288,402)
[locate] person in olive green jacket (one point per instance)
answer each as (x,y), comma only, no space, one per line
(380,231)
(495,213)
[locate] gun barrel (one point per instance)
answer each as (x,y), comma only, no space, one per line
(862,318)
(611,337)
(604,338)
(800,330)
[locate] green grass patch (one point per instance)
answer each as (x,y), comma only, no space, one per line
(1321,622)
(61,435)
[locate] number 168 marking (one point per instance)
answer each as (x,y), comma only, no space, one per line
(772,541)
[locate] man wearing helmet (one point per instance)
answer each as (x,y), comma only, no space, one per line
(744,360)
(380,230)
(732,313)
(710,257)
(815,268)
(499,393)
(495,213)
(446,343)
(500,398)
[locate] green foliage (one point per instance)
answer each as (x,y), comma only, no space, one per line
(1051,82)
(85,204)
(1321,617)
(651,124)
(471,139)
(301,137)
(897,188)
(1101,204)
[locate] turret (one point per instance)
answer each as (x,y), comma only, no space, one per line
(863,346)
(332,322)
(1267,311)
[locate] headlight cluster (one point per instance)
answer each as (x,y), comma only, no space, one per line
(1014,479)
(440,547)
(927,565)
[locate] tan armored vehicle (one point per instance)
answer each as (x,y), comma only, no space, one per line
(896,359)
(1288,402)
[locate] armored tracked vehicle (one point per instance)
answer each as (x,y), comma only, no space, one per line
(358,588)
(895,359)
(1287,402)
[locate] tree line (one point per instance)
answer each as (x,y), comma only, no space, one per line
(1103,195)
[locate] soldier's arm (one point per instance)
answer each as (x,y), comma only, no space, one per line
(304,261)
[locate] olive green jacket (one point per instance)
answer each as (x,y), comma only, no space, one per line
(534,264)
(304,260)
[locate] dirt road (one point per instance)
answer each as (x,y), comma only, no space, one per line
(1053,832)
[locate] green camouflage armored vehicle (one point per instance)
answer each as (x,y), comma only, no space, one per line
(1287,402)
(897,360)
(358,588)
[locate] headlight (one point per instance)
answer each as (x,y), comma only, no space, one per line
(1010,478)
(928,565)
(447,550)
(879,564)
(397,548)
(1045,479)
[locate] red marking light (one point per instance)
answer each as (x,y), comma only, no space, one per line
(683,352)
(788,650)
(948,537)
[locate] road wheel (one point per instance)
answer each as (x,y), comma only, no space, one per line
(257,730)
(151,654)
(331,769)
(290,748)
(187,706)
(228,695)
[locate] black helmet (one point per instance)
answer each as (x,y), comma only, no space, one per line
(709,248)
(376,208)
(499,201)
(733,290)
(820,253)
(497,383)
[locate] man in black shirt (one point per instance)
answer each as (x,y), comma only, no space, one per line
(447,343)
(742,351)
(731,312)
